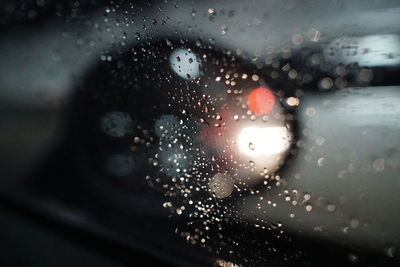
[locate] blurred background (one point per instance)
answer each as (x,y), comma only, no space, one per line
(199,133)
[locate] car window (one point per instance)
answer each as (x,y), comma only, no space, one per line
(263,132)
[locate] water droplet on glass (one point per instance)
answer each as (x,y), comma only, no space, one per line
(308,208)
(251,146)
(391,252)
(321,161)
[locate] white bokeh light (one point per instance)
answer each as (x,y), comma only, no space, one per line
(185,63)
(254,141)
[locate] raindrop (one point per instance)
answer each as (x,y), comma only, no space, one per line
(292,101)
(321,161)
(137,36)
(391,252)
(314,35)
(251,146)
(320,140)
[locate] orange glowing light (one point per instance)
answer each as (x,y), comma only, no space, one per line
(261,101)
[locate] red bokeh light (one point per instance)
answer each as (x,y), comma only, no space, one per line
(261,101)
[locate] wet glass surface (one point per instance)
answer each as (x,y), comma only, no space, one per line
(224,134)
